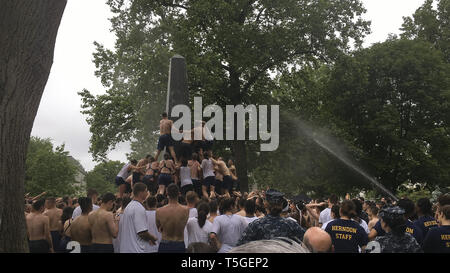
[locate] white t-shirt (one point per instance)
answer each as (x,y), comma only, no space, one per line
(124,171)
(133,221)
(229,229)
(364,225)
(197,233)
(324,226)
(153,230)
(208,168)
(192,214)
(325,216)
(250,219)
(77,211)
(185,176)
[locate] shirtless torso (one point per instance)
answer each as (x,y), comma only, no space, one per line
(54,216)
(80,230)
(103,227)
(194,165)
(171,220)
(38,229)
(165,126)
(166,166)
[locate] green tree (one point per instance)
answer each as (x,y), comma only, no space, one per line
(49,169)
(393,100)
(230,48)
(102,177)
(431,25)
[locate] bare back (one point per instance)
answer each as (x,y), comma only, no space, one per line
(223,168)
(37,226)
(102,226)
(194,166)
(166,166)
(171,220)
(165,127)
(54,216)
(80,230)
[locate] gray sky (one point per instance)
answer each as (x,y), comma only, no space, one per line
(86,21)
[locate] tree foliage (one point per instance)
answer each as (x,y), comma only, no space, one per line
(49,169)
(102,177)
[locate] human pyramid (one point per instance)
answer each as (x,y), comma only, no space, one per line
(191,202)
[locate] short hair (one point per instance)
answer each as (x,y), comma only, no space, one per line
(138,188)
(51,199)
(407,205)
(164,114)
(213,206)
(374,209)
(148,156)
(184,162)
(191,197)
(173,191)
(358,206)
(91,192)
(348,209)
(66,214)
(242,202)
(166,156)
(226,205)
(444,200)
(335,210)
(151,202)
(133,161)
(108,197)
(249,206)
(333,199)
(38,204)
(85,204)
(425,206)
(446,211)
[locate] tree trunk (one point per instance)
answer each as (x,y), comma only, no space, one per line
(27,39)
(240,153)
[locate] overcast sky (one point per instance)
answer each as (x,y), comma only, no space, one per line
(86,21)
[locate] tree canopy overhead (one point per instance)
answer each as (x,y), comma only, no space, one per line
(230,48)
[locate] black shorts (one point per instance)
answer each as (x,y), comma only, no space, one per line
(171,247)
(207,145)
(119,181)
(185,150)
(227,183)
(128,188)
(164,141)
(187,188)
(164,179)
(102,248)
(209,181)
(150,183)
(56,237)
(137,177)
(218,186)
(197,186)
(85,249)
(39,246)
(198,145)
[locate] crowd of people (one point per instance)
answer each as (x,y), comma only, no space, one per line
(191,202)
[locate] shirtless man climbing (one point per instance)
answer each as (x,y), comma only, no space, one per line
(80,230)
(165,138)
(103,226)
(171,220)
(224,173)
(38,229)
(54,215)
(167,169)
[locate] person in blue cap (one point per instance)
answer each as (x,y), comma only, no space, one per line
(396,239)
(272,225)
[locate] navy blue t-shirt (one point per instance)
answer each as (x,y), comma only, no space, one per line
(425,223)
(437,240)
(411,228)
(346,235)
